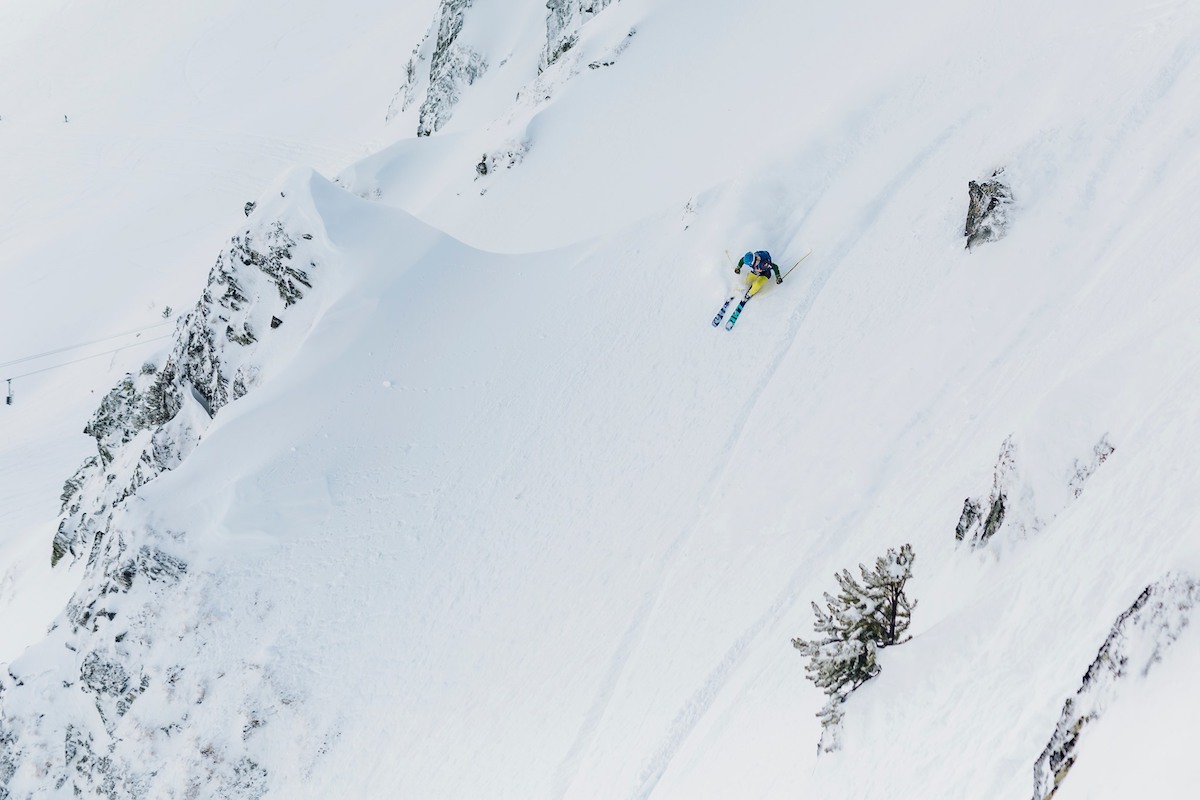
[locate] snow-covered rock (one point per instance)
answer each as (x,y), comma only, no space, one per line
(452,67)
(987,210)
(1013,501)
(137,579)
(563,22)
(152,420)
(1139,640)
(526,513)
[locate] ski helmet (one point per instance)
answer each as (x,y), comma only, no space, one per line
(748,259)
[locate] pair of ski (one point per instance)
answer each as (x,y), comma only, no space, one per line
(733,318)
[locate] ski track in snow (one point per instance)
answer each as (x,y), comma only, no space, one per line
(704,696)
(1150,101)
(1091,154)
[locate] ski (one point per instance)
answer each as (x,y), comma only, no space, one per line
(733,318)
(721,314)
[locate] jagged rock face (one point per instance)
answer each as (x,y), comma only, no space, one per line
(987,210)
(150,421)
(452,67)
(107,628)
(118,641)
(563,22)
(122,709)
(1138,640)
(1011,503)
(414,74)
(981,519)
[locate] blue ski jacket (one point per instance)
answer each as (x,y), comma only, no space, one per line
(763,265)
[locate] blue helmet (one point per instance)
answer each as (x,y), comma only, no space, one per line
(748,259)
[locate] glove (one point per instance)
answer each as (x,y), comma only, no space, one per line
(737,270)
(779,279)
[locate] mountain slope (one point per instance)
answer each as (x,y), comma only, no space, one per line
(505,517)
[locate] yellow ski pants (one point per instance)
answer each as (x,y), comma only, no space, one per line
(755,282)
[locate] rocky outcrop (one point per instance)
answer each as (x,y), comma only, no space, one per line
(416,76)
(987,210)
(110,653)
(69,741)
(1085,469)
(505,157)
(1011,504)
(453,67)
(442,66)
(563,22)
(1138,640)
(123,659)
(980,518)
(153,419)
(610,60)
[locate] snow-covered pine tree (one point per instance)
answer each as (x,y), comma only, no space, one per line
(843,654)
(885,587)
(862,618)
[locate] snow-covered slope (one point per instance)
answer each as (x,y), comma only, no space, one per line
(133,136)
(493,511)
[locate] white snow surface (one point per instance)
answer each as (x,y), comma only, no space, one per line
(507,518)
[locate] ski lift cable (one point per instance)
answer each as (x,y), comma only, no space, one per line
(87,358)
(7,364)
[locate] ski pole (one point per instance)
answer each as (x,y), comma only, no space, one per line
(806,255)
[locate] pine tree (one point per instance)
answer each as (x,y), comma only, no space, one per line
(885,587)
(854,624)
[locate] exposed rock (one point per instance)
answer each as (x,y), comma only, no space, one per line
(995,518)
(414,76)
(974,526)
(151,420)
(1011,500)
(106,651)
(966,522)
(563,22)
(8,759)
(1083,472)
(505,157)
(987,210)
(452,67)
(1138,640)
(611,59)
(103,677)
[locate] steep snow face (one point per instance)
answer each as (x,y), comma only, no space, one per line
(139,429)
(526,526)
(135,133)
(138,629)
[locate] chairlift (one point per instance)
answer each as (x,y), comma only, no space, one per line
(8,399)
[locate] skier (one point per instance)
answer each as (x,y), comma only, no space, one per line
(760,265)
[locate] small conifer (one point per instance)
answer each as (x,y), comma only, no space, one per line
(854,624)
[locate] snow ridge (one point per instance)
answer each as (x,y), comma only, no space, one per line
(139,429)
(119,643)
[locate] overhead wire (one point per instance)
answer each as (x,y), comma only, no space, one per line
(56,351)
(86,358)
